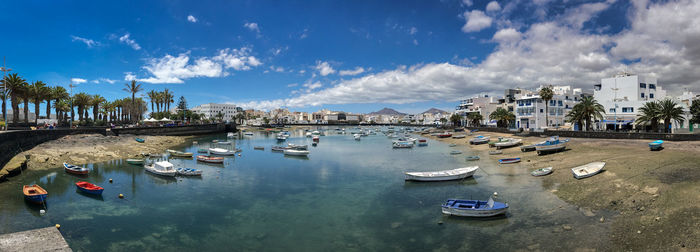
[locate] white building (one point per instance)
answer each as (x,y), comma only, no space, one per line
(211,110)
(622,95)
(483,104)
(530,108)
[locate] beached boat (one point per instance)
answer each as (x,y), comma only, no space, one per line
(189,172)
(500,140)
(541,171)
(471,158)
(510,143)
(174,153)
(135,161)
(258,148)
(656,145)
(531,147)
(495,152)
(509,160)
(459,136)
(89,188)
(452,145)
(474,208)
(444,135)
(402,144)
(479,140)
(455,152)
(140,140)
(587,170)
(34,194)
(292,152)
(210,159)
(453,174)
(163,168)
(73,169)
(551,145)
(422,142)
(222,151)
(298,146)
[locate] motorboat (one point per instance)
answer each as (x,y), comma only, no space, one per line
(163,168)
(587,170)
(292,152)
(551,145)
(474,208)
(280,148)
(357,137)
(453,174)
(298,146)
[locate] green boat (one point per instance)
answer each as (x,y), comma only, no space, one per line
(472,158)
(500,140)
(140,140)
(202,150)
(135,161)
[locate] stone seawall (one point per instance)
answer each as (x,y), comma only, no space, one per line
(173,130)
(599,134)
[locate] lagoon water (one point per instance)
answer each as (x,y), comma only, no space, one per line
(348,195)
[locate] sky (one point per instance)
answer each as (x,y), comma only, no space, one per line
(356,56)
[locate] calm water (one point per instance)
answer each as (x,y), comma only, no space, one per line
(348,195)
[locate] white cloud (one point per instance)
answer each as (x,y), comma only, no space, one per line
(252,26)
(476,21)
(292,85)
(107,80)
(304,34)
(95,81)
(324,68)
(192,19)
(312,85)
(507,35)
(356,71)
(78,80)
(88,42)
(413,30)
(467,2)
(493,6)
(126,40)
(129,76)
(302,71)
(278,69)
(238,59)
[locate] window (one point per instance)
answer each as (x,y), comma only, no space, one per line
(651,96)
(652,86)
(627,109)
(612,110)
(560,103)
(541,110)
(642,95)
(642,85)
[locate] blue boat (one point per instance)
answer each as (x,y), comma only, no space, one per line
(656,145)
(554,144)
(35,194)
(140,140)
(474,208)
(509,160)
(89,188)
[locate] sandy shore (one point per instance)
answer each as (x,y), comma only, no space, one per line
(89,148)
(656,194)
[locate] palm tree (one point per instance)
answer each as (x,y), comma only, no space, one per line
(38,92)
(4,106)
(546,94)
(81,100)
(455,119)
(649,114)
(152,96)
(59,93)
(168,98)
(25,94)
(475,119)
(14,85)
(670,111)
(503,117)
(575,116)
(95,102)
(133,88)
(590,109)
(62,107)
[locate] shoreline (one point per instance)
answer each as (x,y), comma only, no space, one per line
(86,148)
(653,193)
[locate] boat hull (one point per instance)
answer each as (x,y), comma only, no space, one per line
(94,191)
(35,194)
(550,148)
(509,161)
(413,177)
(587,170)
(473,208)
(473,213)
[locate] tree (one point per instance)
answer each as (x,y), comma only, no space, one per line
(168,98)
(59,93)
(182,104)
(475,119)
(575,116)
(14,84)
(456,119)
(133,88)
(38,92)
(590,110)
(546,94)
(443,121)
(503,117)
(25,94)
(670,111)
(649,114)
(152,96)
(695,111)
(81,100)
(95,102)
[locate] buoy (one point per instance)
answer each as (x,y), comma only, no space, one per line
(58,226)
(110,180)
(42,211)
(121,196)
(495,193)
(239,154)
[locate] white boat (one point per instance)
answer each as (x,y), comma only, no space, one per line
(587,170)
(474,208)
(510,143)
(554,144)
(453,174)
(357,137)
(316,133)
(292,152)
(281,137)
(298,146)
(402,144)
(230,135)
(189,172)
(222,151)
(459,136)
(308,134)
(479,140)
(163,168)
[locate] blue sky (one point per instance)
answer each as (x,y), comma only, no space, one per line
(358,56)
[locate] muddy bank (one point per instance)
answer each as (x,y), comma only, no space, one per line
(654,193)
(87,148)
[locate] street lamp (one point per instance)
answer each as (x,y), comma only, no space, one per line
(72,116)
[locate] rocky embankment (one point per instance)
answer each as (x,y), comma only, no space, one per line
(88,148)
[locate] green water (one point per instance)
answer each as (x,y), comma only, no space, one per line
(348,195)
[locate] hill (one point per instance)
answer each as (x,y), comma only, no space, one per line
(387,111)
(434,111)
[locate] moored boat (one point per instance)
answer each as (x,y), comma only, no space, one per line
(163,168)
(587,170)
(455,152)
(509,160)
(135,161)
(315,138)
(495,152)
(73,169)
(222,151)
(357,137)
(401,144)
(471,158)
(89,188)
(474,208)
(189,172)
(34,193)
(200,150)
(258,148)
(453,174)
(210,159)
(656,145)
(422,142)
(541,171)
(174,153)
(298,146)
(293,152)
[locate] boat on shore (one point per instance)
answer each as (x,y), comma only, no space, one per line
(509,160)
(553,144)
(509,143)
(444,135)
(35,194)
(210,159)
(471,158)
(500,140)
(222,151)
(495,152)
(162,168)
(135,161)
(89,188)
(541,171)
(459,136)
(422,142)
(174,153)
(479,140)
(140,140)
(189,172)
(292,152)
(74,169)
(455,152)
(445,175)
(656,145)
(474,208)
(587,170)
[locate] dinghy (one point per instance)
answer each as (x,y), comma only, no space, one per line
(279,148)
(296,152)
(541,171)
(444,135)
(472,158)
(509,143)
(174,153)
(509,160)
(89,188)
(140,140)
(500,140)
(401,144)
(315,139)
(34,194)
(656,145)
(258,148)
(422,142)
(200,150)
(495,152)
(210,159)
(587,170)
(452,145)
(77,170)
(189,172)
(474,208)
(459,136)
(163,168)
(455,152)
(221,151)
(298,146)
(479,140)
(357,137)
(135,161)
(453,174)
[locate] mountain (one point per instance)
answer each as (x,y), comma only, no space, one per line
(434,110)
(387,111)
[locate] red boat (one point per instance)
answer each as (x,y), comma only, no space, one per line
(210,159)
(73,169)
(90,188)
(444,135)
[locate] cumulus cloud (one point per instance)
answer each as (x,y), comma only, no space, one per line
(493,6)
(107,80)
(253,27)
(413,30)
(356,71)
(130,42)
(476,21)
(192,19)
(324,68)
(78,80)
(88,42)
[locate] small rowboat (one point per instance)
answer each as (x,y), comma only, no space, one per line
(296,152)
(471,158)
(541,171)
(474,208)
(479,140)
(135,161)
(444,135)
(510,143)
(220,151)
(140,140)
(223,142)
(455,152)
(210,159)
(459,136)
(72,169)
(587,170)
(453,174)
(452,145)
(279,148)
(189,172)
(495,152)
(422,142)
(89,188)
(509,160)
(34,194)
(258,148)
(174,153)
(656,145)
